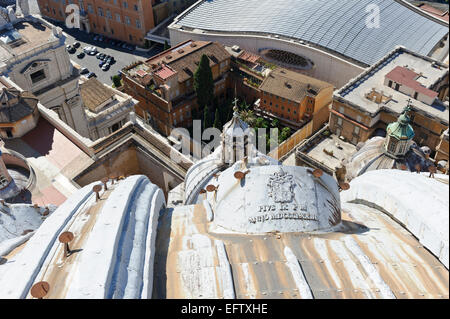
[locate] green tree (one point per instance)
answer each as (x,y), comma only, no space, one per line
(275,123)
(217,122)
(285,133)
(116,80)
(206,118)
(166,46)
(203,83)
(261,123)
(248,117)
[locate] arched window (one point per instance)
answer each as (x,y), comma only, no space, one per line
(392,145)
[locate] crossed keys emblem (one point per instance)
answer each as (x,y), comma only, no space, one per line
(281,187)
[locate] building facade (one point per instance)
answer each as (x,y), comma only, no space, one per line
(330,42)
(33,56)
(295,98)
(365,105)
(164,84)
(124,20)
(107,109)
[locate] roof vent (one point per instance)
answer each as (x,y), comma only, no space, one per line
(180,51)
(193,45)
(168,57)
(287,85)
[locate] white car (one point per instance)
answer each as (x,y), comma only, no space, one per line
(90,50)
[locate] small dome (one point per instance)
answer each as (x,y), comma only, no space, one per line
(426,150)
(235,127)
(401,130)
(275,198)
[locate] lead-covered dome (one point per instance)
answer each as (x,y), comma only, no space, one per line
(274,198)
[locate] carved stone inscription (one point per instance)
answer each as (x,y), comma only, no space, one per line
(282,211)
(281,190)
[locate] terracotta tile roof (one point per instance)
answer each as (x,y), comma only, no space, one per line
(179,51)
(164,72)
(16,105)
(248,56)
(443,15)
(292,85)
(94,93)
(186,62)
(406,77)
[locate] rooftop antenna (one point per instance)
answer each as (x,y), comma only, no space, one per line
(211,188)
(344,186)
(417,167)
(317,173)
(432,170)
(40,289)
(104,181)
(97,188)
(66,238)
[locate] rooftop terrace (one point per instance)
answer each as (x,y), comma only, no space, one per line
(431,72)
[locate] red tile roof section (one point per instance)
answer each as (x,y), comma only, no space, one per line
(407,77)
(249,57)
(435,12)
(165,72)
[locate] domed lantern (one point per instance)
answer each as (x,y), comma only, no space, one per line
(398,135)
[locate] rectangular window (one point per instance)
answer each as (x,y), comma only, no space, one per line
(390,83)
(125,4)
(397,86)
(100,12)
(358,119)
(127,20)
(415,95)
(341,110)
(136,7)
(356,129)
(117,17)
(339,121)
(108,14)
(138,24)
(90,8)
(37,76)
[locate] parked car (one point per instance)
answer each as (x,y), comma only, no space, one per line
(90,50)
(70,49)
(76,45)
(84,71)
(96,37)
(80,55)
(101,63)
(105,67)
(90,75)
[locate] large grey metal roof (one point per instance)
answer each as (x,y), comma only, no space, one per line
(338,25)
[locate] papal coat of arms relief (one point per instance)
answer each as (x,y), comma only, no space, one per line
(281,187)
